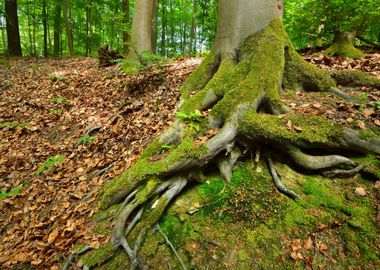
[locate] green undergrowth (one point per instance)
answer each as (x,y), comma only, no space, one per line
(13,124)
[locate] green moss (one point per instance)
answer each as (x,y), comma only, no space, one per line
(99,256)
(299,74)
(200,77)
(344,48)
(354,77)
(314,129)
(262,59)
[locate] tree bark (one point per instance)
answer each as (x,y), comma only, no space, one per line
(192,44)
(13,33)
(239,19)
(142,28)
(57,27)
(163,27)
(88,27)
(44,23)
(69,27)
(154,28)
(126,35)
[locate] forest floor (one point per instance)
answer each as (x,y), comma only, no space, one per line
(67,127)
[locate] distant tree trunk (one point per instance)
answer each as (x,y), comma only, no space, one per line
(57,27)
(172,28)
(202,34)
(192,45)
(164,25)
(142,28)
(13,33)
(343,45)
(126,35)
(88,27)
(154,28)
(44,23)
(69,27)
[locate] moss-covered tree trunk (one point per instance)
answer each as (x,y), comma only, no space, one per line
(343,45)
(230,106)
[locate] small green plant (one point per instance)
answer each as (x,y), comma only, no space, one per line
(15,191)
(195,127)
(377,105)
(60,100)
(193,117)
(166,147)
(13,124)
(363,96)
(86,139)
(53,161)
(56,111)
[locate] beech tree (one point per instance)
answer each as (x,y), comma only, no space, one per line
(141,36)
(13,34)
(234,99)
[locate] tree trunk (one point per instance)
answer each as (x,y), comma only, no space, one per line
(57,27)
(172,28)
(154,28)
(69,27)
(142,28)
(163,28)
(88,27)
(13,34)
(126,35)
(241,19)
(44,23)
(343,45)
(192,44)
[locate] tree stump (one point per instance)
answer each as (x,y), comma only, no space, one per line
(107,56)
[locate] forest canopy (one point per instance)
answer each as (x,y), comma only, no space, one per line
(181,26)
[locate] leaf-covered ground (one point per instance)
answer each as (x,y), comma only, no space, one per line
(67,127)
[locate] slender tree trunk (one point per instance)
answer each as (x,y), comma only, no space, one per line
(30,38)
(164,23)
(126,35)
(88,27)
(192,44)
(44,23)
(69,27)
(57,27)
(13,33)
(142,28)
(154,28)
(172,27)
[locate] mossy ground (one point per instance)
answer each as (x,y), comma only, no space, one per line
(249,225)
(344,48)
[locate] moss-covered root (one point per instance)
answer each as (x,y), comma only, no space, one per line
(343,46)
(169,190)
(354,78)
(301,75)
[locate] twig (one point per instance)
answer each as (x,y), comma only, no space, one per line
(74,255)
(277,181)
(93,130)
(171,246)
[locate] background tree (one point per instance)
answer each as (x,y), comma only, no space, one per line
(230,106)
(13,34)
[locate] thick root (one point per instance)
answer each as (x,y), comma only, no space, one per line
(354,78)
(318,162)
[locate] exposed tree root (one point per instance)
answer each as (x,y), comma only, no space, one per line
(277,182)
(232,92)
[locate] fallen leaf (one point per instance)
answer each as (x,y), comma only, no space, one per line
(289,125)
(360,191)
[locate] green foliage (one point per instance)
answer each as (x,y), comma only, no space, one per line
(13,124)
(60,100)
(192,117)
(14,192)
(377,105)
(363,96)
(52,162)
(86,139)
